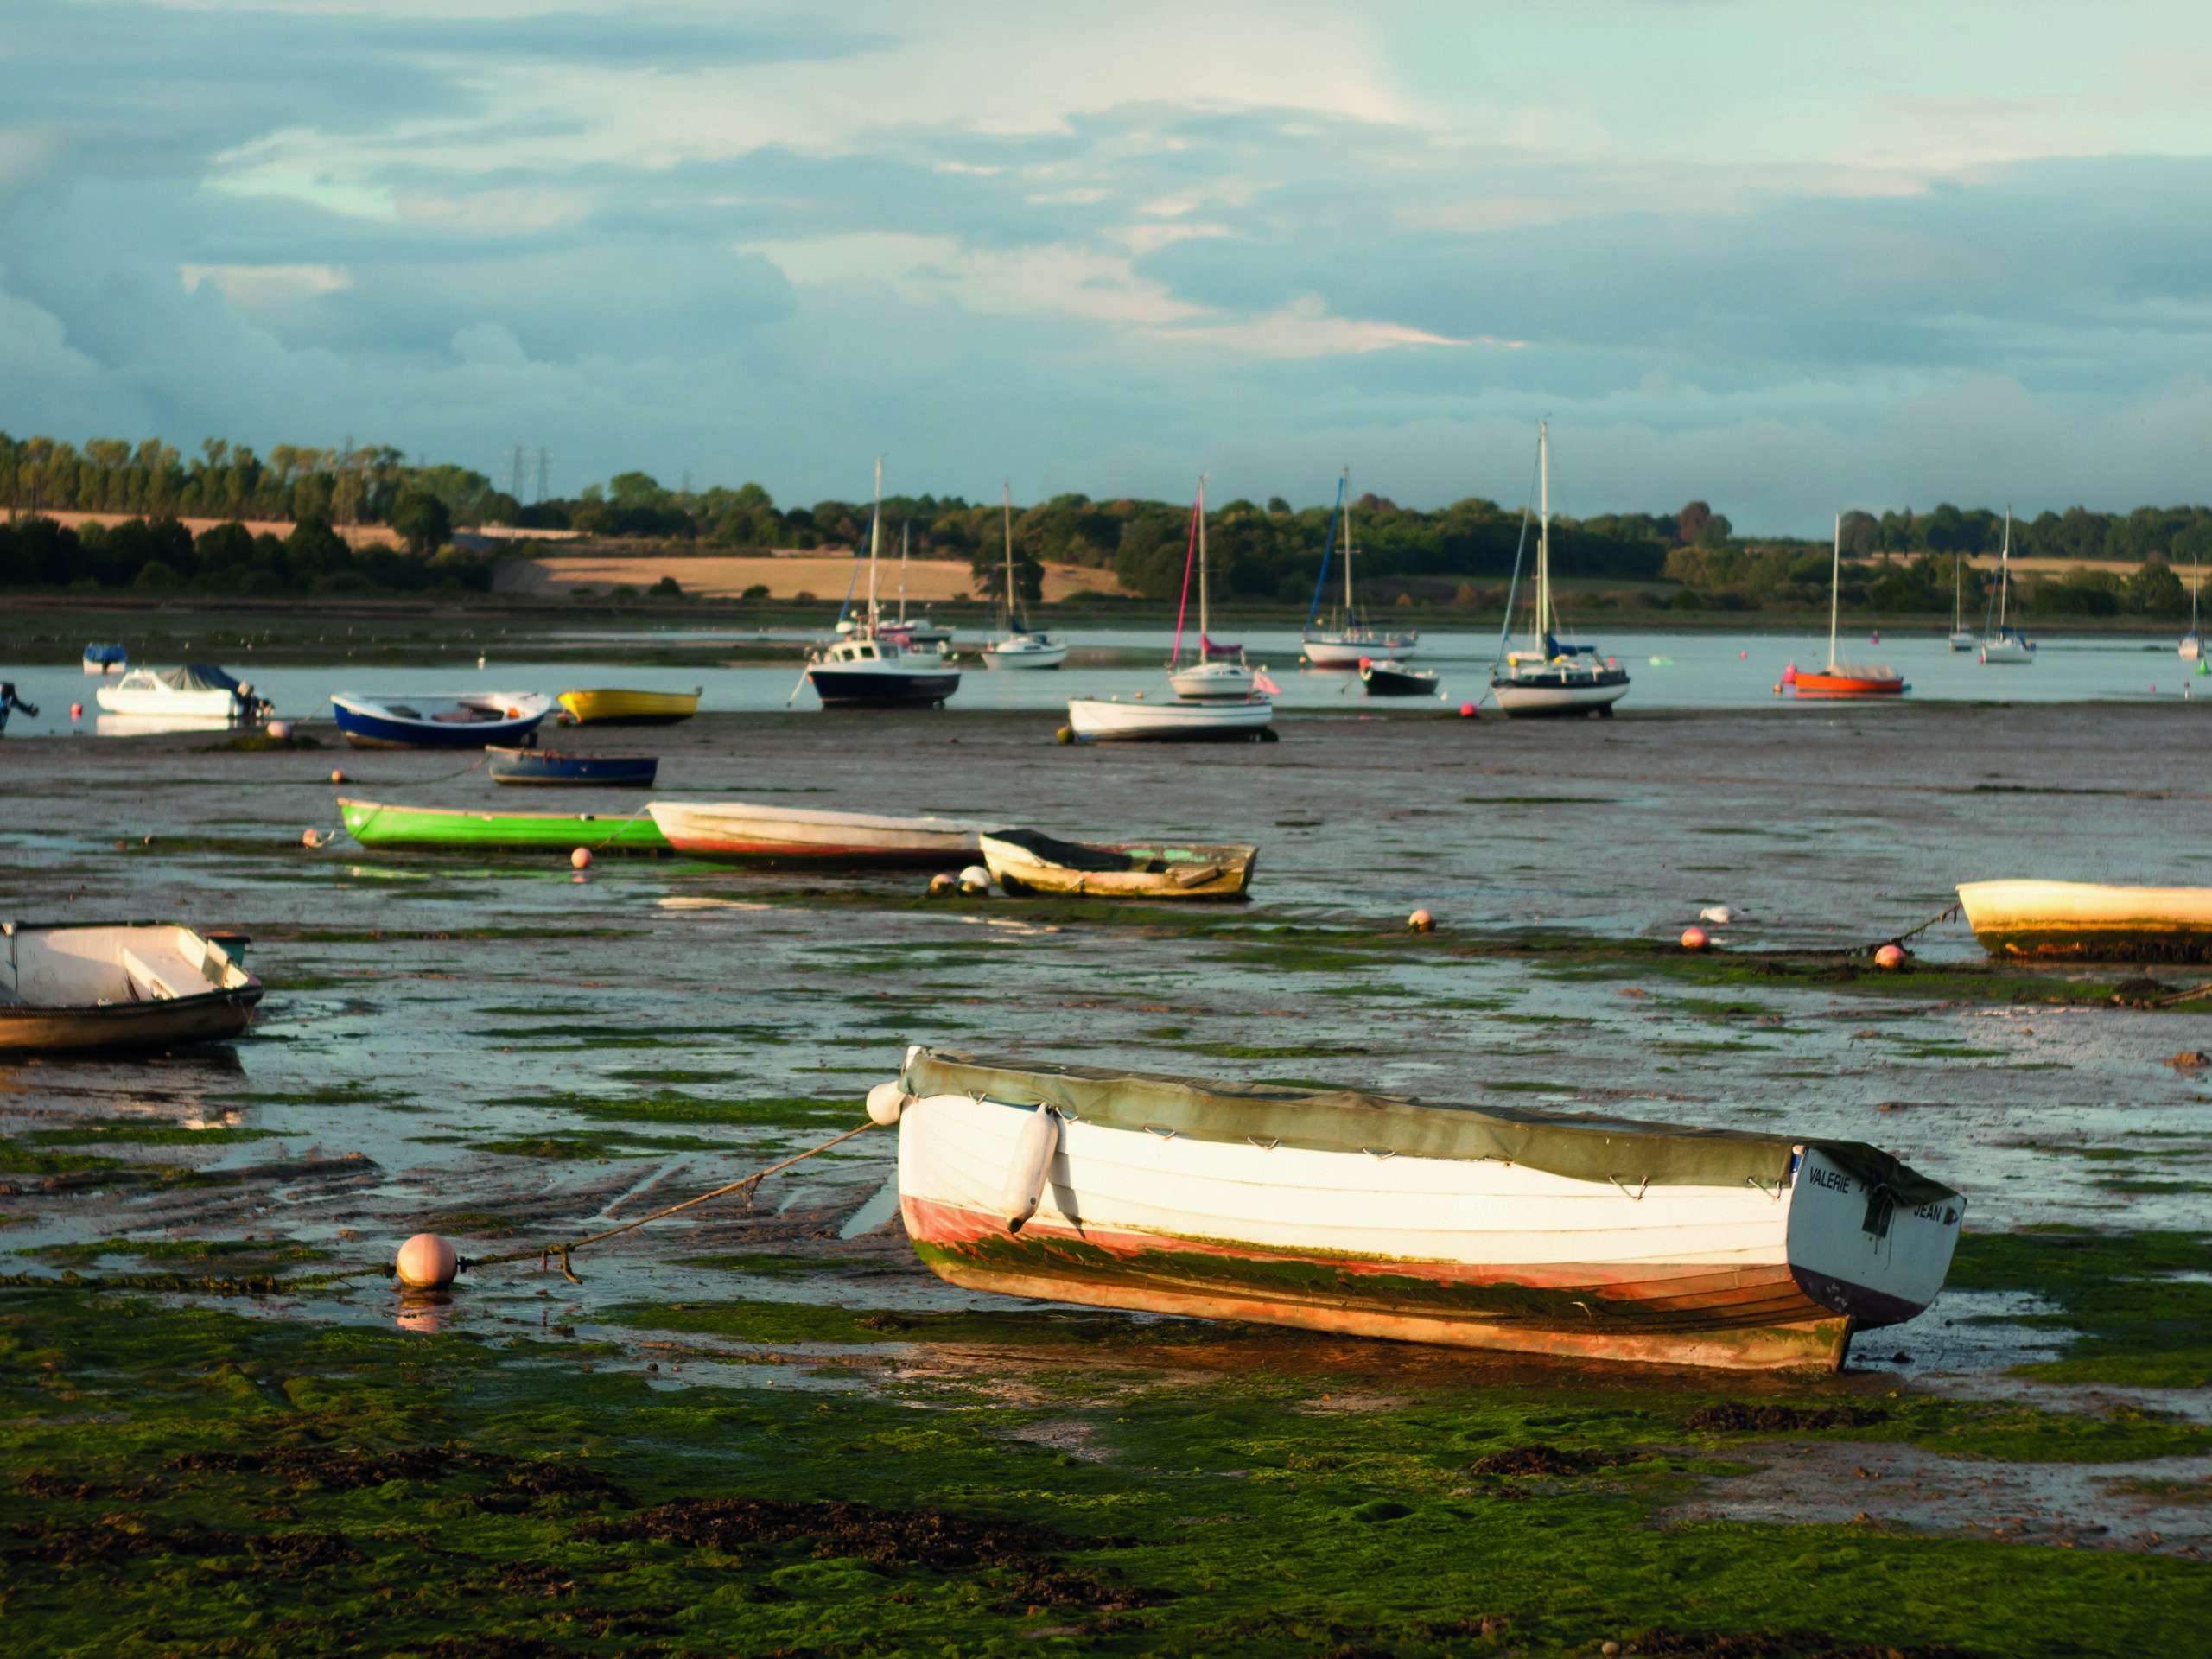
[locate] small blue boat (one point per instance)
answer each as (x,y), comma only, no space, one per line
(549,766)
(460,720)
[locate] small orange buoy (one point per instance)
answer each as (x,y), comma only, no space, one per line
(1890,956)
(1694,938)
(280,728)
(1421,922)
(581,858)
(1466,711)
(337,777)
(76,711)
(1367,662)
(428,1262)
(309,838)
(1742,654)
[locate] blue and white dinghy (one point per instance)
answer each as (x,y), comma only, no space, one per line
(440,720)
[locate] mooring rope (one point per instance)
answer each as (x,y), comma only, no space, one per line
(271,1285)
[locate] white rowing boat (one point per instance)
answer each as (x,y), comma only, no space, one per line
(123,985)
(1095,720)
(2080,919)
(739,831)
(1376,1216)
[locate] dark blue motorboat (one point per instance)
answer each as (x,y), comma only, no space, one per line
(549,766)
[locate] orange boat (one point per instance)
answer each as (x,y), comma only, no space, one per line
(1843,679)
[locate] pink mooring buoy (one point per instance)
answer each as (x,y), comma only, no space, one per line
(1890,956)
(428,1262)
(1694,938)
(1466,711)
(337,777)
(581,858)
(76,711)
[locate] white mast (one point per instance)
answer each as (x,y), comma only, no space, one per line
(875,542)
(1836,588)
(1348,613)
(1006,506)
(905,530)
(1543,624)
(2004,571)
(1202,567)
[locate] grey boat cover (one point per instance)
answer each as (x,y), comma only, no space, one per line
(1580,1146)
(196,676)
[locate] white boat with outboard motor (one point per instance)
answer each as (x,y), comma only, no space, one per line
(1578,1234)
(120,985)
(197,690)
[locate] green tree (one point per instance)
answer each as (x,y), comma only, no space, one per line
(422,520)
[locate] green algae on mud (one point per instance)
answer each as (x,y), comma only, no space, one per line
(255,1485)
(2136,1308)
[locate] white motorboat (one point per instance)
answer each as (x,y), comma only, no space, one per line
(2004,647)
(875,664)
(1019,645)
(1381,1215)
(1181,720)
(120,985)
(1549,677)
(1348,641)
(741,831)
(197,690)
(1211,678)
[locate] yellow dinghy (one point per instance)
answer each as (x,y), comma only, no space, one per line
(2082,919)
(613,707)
(1023,861)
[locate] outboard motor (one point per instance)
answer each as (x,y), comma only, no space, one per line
(10,700)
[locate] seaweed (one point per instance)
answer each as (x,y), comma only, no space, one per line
(2132,1308)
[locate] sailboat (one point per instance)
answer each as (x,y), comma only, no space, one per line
(1962,637)
(871,668)
(924,635)
(1344,644)
(2006,645)
(2192,643)
(1551,679)
(1213,701)
(1846,679)
(1023,646)
(1205,679)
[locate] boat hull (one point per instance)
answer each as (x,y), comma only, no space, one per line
(737,832)
(1191,722)
(1551,696)
(378,724)
(616,708)
(1392,680)
(1021,870)
(2089,922)
(1347,652)
(379,824)
(1369,1240)
(1051,654)
(547,766)
(119,989)
(1850,682)
(188,705)
(853,688)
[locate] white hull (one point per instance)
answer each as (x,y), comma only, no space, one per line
(1555,699)
(1093,720)
(1965,641)
(186,705)
(1025,654)
(2003,653)
(1472,1249)
(1347,653)
(2192,649)
(738,830)
(1204,680)
(2088,919)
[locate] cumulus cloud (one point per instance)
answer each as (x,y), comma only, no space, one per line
(1101,253)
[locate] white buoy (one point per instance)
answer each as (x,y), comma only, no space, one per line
(280,729)
(428,1262)
(887,1100)
(975,878)
(1034,1149)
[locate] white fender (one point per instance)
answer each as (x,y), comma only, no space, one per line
(1032,1163)
(887,1100)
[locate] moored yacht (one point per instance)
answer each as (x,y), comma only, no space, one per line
(1019,645)
(872,667)
(1212,678)
(2004,645)
(1549,677)
(1347,640)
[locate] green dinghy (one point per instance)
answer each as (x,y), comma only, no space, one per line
(375,824)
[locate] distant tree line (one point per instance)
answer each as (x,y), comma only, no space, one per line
(160,556)
(1795,577)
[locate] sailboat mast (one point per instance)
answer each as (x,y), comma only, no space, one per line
(1836,588)
(1006,512)
(1542,626)
(874,542)
(906,535)
(1349,621)
(2004,571)
(1202,568)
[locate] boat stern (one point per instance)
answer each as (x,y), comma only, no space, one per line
(1867,1236)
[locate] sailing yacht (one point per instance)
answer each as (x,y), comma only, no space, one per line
(1548,677)
(1207,678)
(2192,643)
(924,635)
(1023,646)
(2007,645)
(1962,637)
(1347,639)
(1846,679)
(872,668)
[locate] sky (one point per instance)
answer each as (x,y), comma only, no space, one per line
(1785,257)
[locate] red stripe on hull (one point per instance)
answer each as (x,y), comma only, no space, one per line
(1693,1314)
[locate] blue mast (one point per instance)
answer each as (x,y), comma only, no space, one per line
(1343,478)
